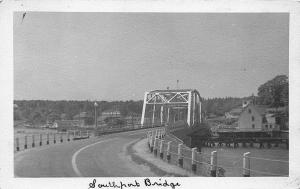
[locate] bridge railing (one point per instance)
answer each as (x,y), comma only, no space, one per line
(32,140)
(123,128)
(28,141)
(209,164)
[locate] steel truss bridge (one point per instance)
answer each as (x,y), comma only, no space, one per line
(166,106)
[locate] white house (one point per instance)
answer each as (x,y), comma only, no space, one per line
(256,118)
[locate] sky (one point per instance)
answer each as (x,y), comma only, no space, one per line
(119,56)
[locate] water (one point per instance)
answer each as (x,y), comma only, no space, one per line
(231,159)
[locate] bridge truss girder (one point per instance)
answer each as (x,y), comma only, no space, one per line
(189,99)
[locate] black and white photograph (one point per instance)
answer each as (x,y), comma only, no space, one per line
(152,96)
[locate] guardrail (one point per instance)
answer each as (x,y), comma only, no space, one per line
(35,140)
(204,164)
(128,127)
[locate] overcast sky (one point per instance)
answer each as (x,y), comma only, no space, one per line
(119,56)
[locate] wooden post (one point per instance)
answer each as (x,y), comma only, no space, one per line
(244,144)
(33,142)
(54,138)
(213,164)
(149,138)
(194,165)
(261,145)
(155,146)
(168,151)
(180,158)
(246,164)
(41,139)
(251,144)
(161,149)
(151,143)
(17,144)
(61,137)
(25,144)
(47,138)
(68,135)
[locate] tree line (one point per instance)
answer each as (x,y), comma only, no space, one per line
(273,93)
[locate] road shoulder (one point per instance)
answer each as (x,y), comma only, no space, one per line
(140,154)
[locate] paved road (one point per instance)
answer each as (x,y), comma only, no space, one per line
(98,157)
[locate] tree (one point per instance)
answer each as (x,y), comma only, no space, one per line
(274,92)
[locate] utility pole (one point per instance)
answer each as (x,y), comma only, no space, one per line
(95,105)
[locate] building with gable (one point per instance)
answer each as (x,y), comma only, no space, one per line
(257,118)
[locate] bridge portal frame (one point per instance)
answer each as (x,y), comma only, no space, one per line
(189,98)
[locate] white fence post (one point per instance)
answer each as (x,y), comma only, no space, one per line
(213,164)
(68,135)
(149,137)
(246,164)
(61,137)
(161,149)
(155,146)
(168,151)
(33,141)
(194,165)
(151,143)
(25,145)
(47,139)
(17,144)
(180,158)
(54,139)
(41,139)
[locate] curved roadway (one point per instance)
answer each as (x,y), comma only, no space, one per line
(105,156)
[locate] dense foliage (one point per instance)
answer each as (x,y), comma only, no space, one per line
(38,111)
(275,92)
(219,106)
